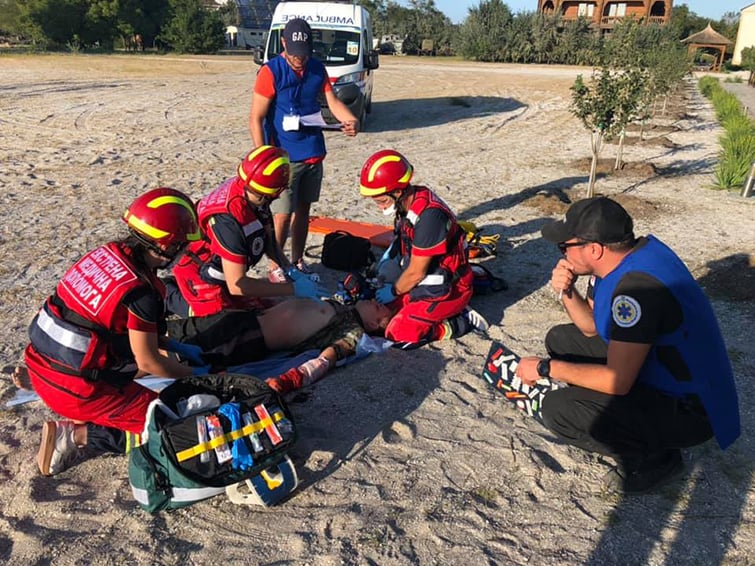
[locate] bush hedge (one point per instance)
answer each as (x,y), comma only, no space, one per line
(738,141)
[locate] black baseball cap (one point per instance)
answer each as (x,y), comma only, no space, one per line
(597,219)
(298,36)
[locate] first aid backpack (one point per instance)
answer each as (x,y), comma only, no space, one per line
(346,252)
(214,434)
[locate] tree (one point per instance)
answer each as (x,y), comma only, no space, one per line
(605,106)
(728,26)
(142,17)
(425,21)
(193,28)
(577,44)
(684,23)
(10,18)
(229,14)
(482,36)
(545,35)
(54,21)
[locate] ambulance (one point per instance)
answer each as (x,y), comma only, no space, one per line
(342,40)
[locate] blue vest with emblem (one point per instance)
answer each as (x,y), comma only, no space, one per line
(299,97)
(697,341)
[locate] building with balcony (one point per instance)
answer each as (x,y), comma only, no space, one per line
(605,14)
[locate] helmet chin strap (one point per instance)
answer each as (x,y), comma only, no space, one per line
(398,207)
(153,247)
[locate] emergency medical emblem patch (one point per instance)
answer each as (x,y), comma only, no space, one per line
(258,246)
(626,311)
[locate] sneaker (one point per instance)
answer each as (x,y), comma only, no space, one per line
(277,275)
(476,320)
(302,266)
(58,450)
(645,478)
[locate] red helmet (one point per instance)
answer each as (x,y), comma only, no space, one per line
(385,171)
(266,170)
(163,217)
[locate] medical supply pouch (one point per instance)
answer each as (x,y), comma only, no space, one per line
(346,252)
(479,244)
(500,373)
(189,456)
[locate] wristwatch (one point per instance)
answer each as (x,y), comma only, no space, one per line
(544,367)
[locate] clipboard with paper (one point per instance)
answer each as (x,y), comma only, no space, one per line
(315,119)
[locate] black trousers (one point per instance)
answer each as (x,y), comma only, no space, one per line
(641,426)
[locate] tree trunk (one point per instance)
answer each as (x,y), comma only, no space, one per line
(665,102)
(642,130)
(620,152)
(596,143)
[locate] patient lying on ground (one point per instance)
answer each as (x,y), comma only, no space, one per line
(235,338)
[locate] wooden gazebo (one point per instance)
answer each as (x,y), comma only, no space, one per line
(711,39)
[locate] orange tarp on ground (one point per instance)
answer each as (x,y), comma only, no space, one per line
(378,235)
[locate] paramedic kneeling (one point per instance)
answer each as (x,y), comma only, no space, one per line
(237,230)
(644,356)
(103,327)
(425,269)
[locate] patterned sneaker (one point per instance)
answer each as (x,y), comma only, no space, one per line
(476,320)
(58,450)
(302,266)
(277,276)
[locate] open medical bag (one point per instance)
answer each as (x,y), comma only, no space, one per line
(234,441)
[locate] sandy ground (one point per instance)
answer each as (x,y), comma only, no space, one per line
(405,458)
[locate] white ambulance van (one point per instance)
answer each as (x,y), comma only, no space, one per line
(342,40)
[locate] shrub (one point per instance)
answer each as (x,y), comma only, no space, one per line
(737,153)
(738,142)
(727,105)
(707,85)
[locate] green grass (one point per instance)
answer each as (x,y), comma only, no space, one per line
(738,142)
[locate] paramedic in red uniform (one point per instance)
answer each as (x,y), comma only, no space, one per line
(103,327)
(237,229)
(286,89)
(431,283)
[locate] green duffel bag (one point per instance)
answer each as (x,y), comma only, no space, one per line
(206,433)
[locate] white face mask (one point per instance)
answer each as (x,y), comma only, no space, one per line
(391,210)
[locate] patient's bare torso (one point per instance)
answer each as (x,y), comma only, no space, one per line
(289,323)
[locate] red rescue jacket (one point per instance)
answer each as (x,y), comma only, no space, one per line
(81,329)
(199,272)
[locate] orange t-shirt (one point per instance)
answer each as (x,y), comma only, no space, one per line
(265,83)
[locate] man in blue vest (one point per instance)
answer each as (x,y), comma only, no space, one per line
(286,93)
(644,358)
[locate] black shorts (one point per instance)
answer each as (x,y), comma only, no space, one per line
(229,338)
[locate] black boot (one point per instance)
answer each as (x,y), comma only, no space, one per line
(635,476)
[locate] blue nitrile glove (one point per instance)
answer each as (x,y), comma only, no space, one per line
(305,288)
(388,253)
(385,294)
(188,352)
(242,458)
(201,370)
(294,274)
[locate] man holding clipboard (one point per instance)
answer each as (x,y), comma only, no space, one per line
(286,113)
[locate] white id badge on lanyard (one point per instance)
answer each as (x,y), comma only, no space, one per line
(290,123)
